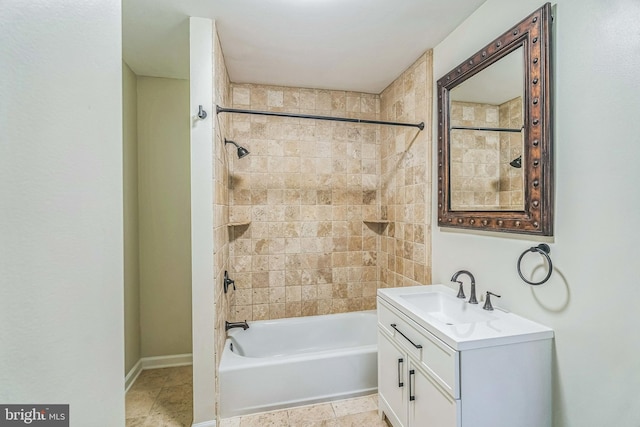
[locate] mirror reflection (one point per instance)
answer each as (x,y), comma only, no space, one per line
(487,138)
(494,158)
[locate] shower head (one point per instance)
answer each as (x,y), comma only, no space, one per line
(517,162)
(242,152)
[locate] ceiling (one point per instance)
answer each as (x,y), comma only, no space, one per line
(359,45)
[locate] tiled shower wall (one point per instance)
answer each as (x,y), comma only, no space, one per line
(475,172)
(305,189)
(301,242)
(481,176)
(222,126)
(404,257)
(511,147)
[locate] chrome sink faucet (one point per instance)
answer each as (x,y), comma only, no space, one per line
(472,298)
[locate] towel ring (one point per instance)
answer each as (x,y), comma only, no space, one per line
(543,249)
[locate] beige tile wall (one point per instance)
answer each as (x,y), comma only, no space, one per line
(475,156)
(511,146)
(222,127)
(404,258)
(481,177)
(305,187)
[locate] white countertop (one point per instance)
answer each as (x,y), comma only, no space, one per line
(498,327)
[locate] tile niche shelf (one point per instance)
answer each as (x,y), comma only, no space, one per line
(376,225)
(238,224)
(376,221)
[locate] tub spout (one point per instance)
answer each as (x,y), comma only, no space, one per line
(229,325)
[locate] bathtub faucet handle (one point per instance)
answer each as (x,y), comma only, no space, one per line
(228,282)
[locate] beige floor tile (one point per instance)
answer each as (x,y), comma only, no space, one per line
(173,400)
(164,398)
(230,422)
(322,423)
(136,422)
(179,376)
(266,419)
(363,419)
(355,406)
(161,398)
(176,419)
(150,379)
(176,393)
(138,403)
(311,413)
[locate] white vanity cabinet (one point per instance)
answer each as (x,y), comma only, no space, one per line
(392,380)
(425,382)
(420,389)
(431,405)
(411,396)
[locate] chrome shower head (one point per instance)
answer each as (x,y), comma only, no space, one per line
(516,163)
(242,152)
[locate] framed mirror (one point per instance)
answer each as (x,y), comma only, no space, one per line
(495,166)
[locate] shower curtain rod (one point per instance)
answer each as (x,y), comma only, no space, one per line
(307,116)
(488,129)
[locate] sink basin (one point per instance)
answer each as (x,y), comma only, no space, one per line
(446,308)
(457,323)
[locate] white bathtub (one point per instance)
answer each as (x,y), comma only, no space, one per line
(298,361)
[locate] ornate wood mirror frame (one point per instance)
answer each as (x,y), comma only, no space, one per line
(533,35)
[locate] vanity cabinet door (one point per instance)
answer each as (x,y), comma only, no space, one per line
(392,380)
(429,404)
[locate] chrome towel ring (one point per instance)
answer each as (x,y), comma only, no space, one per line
(544,250)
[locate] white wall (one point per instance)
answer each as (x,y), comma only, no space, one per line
(164,216)
(592,299)
(61,250)
(132,343)
(201,93)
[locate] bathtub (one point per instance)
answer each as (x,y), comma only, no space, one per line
(298,361)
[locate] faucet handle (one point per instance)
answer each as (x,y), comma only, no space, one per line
(228,282)
(460,290)
(487,301)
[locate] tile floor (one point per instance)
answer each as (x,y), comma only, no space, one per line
(357,412)
(163,398)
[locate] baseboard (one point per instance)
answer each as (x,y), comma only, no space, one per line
(211,423)
(166,361)
(132,376)
(154,363)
